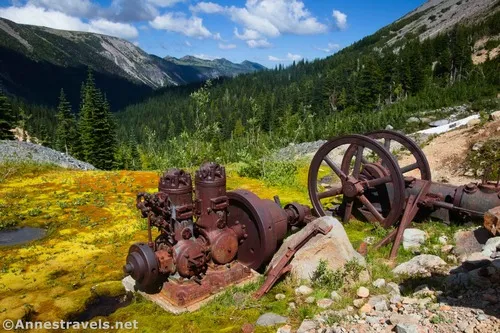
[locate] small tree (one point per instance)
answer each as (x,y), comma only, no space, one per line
(6,119)
(67,137)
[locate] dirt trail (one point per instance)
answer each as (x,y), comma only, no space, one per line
(446,153)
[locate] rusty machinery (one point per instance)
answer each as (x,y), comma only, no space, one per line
(213,239)
(207,241)
(358,175)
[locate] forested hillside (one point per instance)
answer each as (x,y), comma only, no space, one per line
(366,86)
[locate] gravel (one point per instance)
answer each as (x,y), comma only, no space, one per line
(17,151)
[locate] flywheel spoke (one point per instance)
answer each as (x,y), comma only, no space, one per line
(348,211)
(409,168)
(371,208)
(330,193)
(335,168)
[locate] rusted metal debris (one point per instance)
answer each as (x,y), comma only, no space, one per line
(374,187)
(202,235)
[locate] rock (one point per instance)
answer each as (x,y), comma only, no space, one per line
(358,303)
(292,306)
(406,328)
(495,116)
(395,299)
(310,300)
(335,296)
(476,260)
(379,303)
(421,265)
(443,240)
(474,122)
(280,297)
(389,127)
(334,248)
(303,291)
(396,319)
(438,123)
(425,120)
(363,292)
(469,241)
(366,308)
(270,319)
(307,326)
(247,328)
(457,281)
(393,289)
(324,303)
(492,220)
(285,329)
(413,238)
(451,258)
(476,278)
(379,283)
(412,120)
(491,246)
(446,248)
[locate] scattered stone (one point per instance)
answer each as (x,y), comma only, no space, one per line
(303,291)
(438,123)
(335,296)
(310,300)
(379,303)
(363,292)
(324,303)
(396,319)
(491,246)
(285,329)
(406,328)
(247,328)
(393,288)
(358,303)
(446,248)
(495,116)
(482,317)
(366,308)
(389,127)
(413,238)
(307,326)
(280,297)
(422,265)
(443,240)
(425,120)
(477,146)
(292,306)
(379,283)
(271,319)
(334,248)
(412,120)
(395,299)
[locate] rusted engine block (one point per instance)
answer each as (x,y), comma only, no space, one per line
(208,241)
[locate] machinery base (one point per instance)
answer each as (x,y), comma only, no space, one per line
(188,296)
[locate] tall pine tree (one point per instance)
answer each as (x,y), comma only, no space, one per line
(67,136)
(97,127)
(6,119)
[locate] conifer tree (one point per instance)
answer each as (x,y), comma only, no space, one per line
(67,138)
(5,119)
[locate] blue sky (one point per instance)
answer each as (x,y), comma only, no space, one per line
(264,31)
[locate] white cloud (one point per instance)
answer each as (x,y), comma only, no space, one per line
(73,7)
(270,18)
(192,27)
(205,56)
(340,19)
(289,57)
(164,3)
(330,48)
(247,34)
(226,46)
(187,43)
(207,7)
(259,44)
(106,27)
(33,15)
(217,36)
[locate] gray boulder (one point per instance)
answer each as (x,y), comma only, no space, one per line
(307,326)
(270,319)
(334,248)
(491,246)
(413,238)
(422,265)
